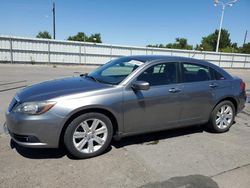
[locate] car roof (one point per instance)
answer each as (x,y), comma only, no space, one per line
(149,58)
(152,58)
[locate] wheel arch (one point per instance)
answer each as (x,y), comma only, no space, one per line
(106,112)
(231,99)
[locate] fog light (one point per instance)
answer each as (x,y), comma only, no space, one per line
(5,129)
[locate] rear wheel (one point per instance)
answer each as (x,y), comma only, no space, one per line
(88,135)
(222,117)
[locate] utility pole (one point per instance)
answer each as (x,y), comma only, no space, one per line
(54,20)
(245,38)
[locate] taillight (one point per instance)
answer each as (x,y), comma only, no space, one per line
(243,86)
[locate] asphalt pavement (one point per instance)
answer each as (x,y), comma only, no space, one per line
(188,157)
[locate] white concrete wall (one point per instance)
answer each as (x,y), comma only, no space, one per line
(28,50)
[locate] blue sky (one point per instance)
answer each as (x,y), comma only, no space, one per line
(127,22)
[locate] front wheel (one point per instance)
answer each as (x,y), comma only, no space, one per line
(88,135)
(222,117)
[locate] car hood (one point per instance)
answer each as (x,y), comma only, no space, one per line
(56,88)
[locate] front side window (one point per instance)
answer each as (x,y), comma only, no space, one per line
(116,71)
(195,73)
(160,74)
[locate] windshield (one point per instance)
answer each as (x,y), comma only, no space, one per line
(116,70)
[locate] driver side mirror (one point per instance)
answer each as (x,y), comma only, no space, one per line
(140,85)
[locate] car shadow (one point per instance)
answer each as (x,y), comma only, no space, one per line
(45,153)
(147,139)
(154,138)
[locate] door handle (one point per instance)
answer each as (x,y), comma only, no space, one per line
(174,90)
(213,85)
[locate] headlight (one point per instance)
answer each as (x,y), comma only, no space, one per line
(34,108)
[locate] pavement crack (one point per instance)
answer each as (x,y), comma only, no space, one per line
(230,170)
(243,112)
(17,87)
(8,83)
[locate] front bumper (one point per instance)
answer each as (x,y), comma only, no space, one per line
(35,131)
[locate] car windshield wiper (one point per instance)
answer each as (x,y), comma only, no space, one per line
(95,79)
(105,82)
(88,76)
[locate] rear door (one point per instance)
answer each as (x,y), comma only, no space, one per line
(197,93)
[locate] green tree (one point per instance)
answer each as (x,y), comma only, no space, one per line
(209,42)
(160,46)
(96,38)
(43,35)
(180,43)
(156,45)
(204,46)
(231,49)
(80,36)
(245,48)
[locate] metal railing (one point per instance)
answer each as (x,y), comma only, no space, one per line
(30,50)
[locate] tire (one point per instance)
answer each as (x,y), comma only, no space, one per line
(222,117)
(88,135)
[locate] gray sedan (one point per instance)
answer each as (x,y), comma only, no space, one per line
(127,96)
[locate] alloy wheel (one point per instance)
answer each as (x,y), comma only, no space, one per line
(90,135)
(224,116)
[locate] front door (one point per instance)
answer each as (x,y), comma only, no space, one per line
(157,108)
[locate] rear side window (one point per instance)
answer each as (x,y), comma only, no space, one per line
(216,75)
(195,73)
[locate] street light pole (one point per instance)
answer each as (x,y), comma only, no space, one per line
(221,21)
(224,5)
